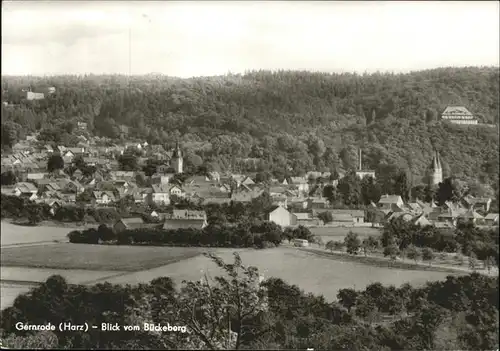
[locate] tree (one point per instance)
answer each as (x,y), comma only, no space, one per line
(55,162)
(210,308)
(352,243)
(8,178)
(402,185)
(349,189)
(347,298)
(326,216)
(473,262)
(370,190)
(392,251)
(330,193)
(330,245)
(304,233)
(288,234)
(427,254)
(128,162)
(413,253)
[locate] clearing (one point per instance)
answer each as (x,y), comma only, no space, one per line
(95,257)
(11,234)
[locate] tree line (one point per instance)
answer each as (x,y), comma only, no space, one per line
(235,311)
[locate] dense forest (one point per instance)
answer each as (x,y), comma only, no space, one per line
(285,120)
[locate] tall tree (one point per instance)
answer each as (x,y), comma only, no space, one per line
(55,162)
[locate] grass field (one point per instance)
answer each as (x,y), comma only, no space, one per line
(94,257)
(315,274)
(11,234)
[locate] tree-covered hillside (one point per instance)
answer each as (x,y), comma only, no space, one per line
(287,120)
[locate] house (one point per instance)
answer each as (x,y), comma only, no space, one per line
(216,200)
(458,115)
(36,176)
(184,224)
(306,219)
(315,203)
(77,174)
(25,188)
(280,200)
(82,125)
(405,216)
(184,219)
(449,216)
(298,203)
(414,207)
(340,215)
(491,219)
(478,203)
(176,190)
(52,203)
(48,149)
(102,197)
(34,96)
(301,183)
(421,221)
(188,214)
(163,169)
(128,223)
(159,179)
(470,216)
(71,186)
(29,196)
(160,194)
(246,196)
(126,175)
(282,217)
(387,202)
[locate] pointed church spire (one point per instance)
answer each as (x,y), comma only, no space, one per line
(436,170)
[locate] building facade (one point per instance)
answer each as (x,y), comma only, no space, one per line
(458,115)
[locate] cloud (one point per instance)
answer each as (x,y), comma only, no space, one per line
(65,34)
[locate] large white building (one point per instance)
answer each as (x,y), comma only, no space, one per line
(458,115)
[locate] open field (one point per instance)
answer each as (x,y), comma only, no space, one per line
(89,264)
(11,234)
(95,257)
(313,273)
(40,275)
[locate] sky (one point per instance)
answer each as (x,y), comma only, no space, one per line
(192,38)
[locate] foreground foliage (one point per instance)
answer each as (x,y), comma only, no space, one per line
(240,311)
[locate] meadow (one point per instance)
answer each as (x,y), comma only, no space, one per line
(11,234)
(95,257)
(313,273)
(88,264)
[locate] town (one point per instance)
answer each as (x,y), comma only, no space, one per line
(91,175)
(249,176)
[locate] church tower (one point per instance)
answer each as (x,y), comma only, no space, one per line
(177,160)
(435,170)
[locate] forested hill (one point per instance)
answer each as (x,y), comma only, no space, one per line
(301,120)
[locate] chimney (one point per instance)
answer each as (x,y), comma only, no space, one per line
(360,167)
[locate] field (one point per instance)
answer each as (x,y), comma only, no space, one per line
(94,257)
(24,266)
(11,234)
(313,273)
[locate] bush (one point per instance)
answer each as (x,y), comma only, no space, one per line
(89,236)
(427,255)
